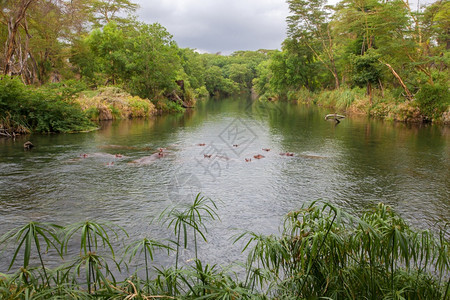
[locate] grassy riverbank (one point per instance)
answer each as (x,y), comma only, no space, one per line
(70,107)
(434,106)
(25,109)
(321,252)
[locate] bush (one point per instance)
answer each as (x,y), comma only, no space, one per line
(303,95)
(38,110)
(166,106)
(110,103)
(201,92)
(139,108)
(433,100)
(67,89)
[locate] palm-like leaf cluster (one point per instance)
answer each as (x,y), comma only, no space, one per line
(321,252)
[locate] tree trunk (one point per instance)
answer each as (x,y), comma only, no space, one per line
(408,93)
(336,80)
(14,23)
(369,92)
(381,87)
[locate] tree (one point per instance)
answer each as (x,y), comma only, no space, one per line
(367,71)
(108,45)
(308,24)
(105,11)
(193,64)
(364,25)
(14,17)
(241,74)
(216,83)
(154,63)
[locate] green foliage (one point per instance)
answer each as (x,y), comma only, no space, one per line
(40,110)
(228,75)
(138,107)
(108,47)
(381,45)
(341,99)
(433,100)
(105,11)
(154,62)
(325,252)
(31,234)
(322,252)
(201,92)
(96,266)
(367,69)
(216,83)
(241,74)
(194,67)
(148,247)
(67,89)
(193,217)
(168,106)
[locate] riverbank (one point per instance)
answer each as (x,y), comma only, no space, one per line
(382,105)
(25,109)
(69,107)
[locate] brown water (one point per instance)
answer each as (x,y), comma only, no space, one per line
(356,164)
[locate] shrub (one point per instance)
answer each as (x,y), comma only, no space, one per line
(165,106)
(433,100)
(67,89)
(38,110)
(201,92)
(110,103)
(139,108)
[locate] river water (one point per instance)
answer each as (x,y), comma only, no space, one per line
(110,174)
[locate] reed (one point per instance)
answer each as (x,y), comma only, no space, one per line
(33,233)
(325,252)
(96,266)
(321,252)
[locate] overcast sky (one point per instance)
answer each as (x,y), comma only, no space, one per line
(220,25)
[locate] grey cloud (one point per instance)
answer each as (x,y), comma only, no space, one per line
(220,25)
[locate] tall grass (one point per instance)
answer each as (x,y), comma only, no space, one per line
(322,252)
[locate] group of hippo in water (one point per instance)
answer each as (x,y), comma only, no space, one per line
(260,156)
(142,161)
(164,152)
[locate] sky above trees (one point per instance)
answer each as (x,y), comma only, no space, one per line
(220,25)
(223,25)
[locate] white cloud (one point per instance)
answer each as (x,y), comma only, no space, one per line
(220,25)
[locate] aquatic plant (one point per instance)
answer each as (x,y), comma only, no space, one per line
(322,252)
(192,216)
(96,266)
(33,233)
(325,252)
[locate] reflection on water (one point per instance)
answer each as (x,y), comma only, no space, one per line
(356,164)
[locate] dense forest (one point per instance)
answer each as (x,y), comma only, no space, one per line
(378,57)
(368,56)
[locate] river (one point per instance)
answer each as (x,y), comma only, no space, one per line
(355,164)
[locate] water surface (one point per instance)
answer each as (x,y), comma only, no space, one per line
(356,164)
